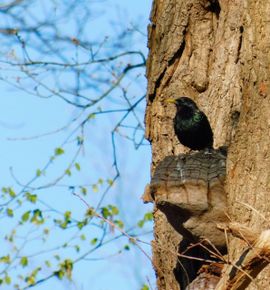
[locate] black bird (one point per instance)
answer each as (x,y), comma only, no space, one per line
(191,125)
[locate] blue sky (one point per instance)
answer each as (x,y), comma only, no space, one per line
(24,115)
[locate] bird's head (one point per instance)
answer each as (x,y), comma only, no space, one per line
(185,106)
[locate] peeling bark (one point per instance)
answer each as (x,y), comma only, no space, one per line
(217,53)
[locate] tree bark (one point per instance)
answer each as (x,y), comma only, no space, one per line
(217,53)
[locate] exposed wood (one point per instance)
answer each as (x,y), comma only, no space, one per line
(240,231)
(217,53)
(249,264)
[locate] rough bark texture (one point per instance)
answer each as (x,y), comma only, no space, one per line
(218,54)
(250,263)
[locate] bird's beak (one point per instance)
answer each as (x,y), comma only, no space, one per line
(170,101)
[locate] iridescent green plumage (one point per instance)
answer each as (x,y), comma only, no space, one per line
(192,126)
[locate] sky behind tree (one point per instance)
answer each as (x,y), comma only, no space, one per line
(25,149)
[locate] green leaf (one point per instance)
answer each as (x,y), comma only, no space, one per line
(58,151)
(100,181)
(11,236)
(148,216)
(84,190)
(48,263)
(110,182)
(68,172)
(114,210)
(59,274)
(66,268)
(25,216)
(60,223)
(11,192)
(24,261)
(5,259)
(9,212)
(77,166)
(83,237)
(7,280)
(91,116)
(105,212)
(95,188)
(38,172)
(81,224)
(37,217)
(93,241)
(31,197)
(145,287)
(90,212)
(31,279)
(140,223)
(127,247)
(67,215)
(35,272)
(64,223)
(119,223)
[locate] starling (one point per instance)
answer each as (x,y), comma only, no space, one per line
(191,125)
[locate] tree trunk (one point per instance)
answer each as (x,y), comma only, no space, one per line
(217,53)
